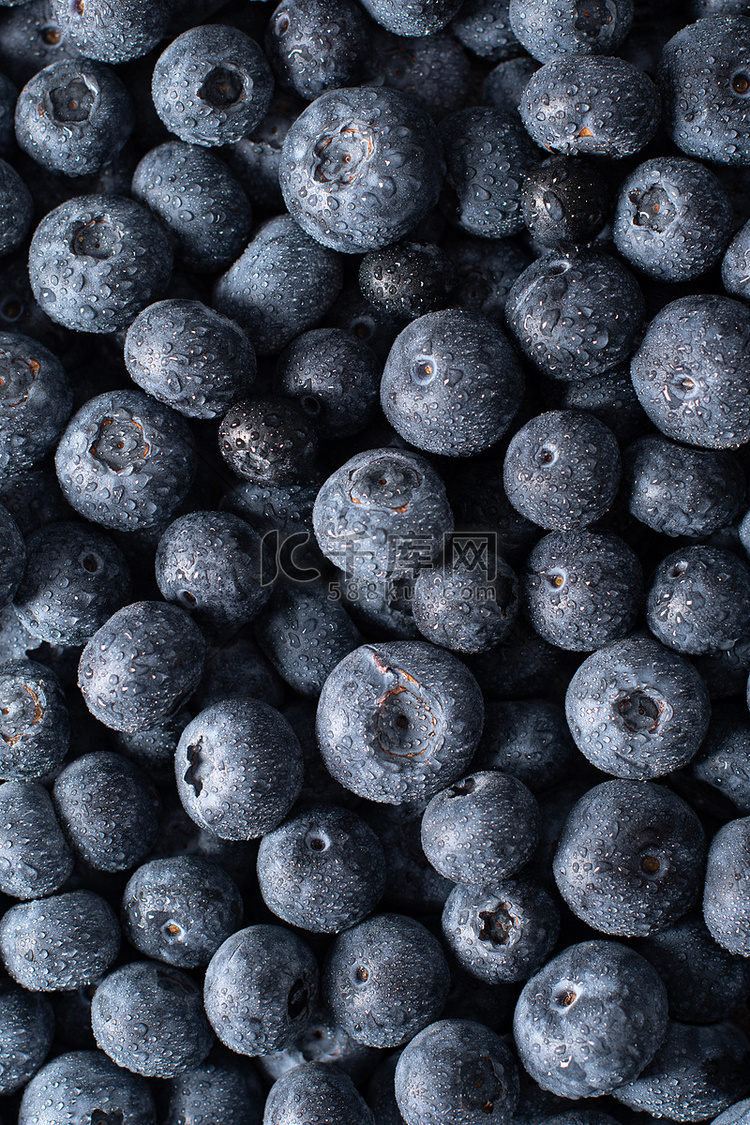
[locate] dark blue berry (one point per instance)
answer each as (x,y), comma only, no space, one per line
(112,31)
(315,1092)
(697,601)
(317,45)
(528,739)
(91,1088)
(35,401)
(34,857)
(34,724)
(221,1088)
(334,377)
(27,1026)
(16,209)
(567,27)
(726,896)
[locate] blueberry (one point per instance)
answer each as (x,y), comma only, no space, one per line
(483,26)
(503,87)
(199,202)
(486,270)
(399,721)
(696,602)
(317,45)
(75,579)
(153,750)
(34,858)
(590,1020)
(237,669)
(565,202)
(12,557)
(360,167)
(239,768)
(737,1114)
(133,1007)
(412,883)
(464,605)
(725,896)
(74,116)
(562,470)
(322,870)
(590,105)
(673,219)
(528,739)
(704,982)
(456,1071)
(334,377)
(734,264)
(260,989)
(16,209)
(321,1041)
(501,931)
(283,283)
(452,384)
(704,82)
(315,1092)
(141,666)
(581,590)
(407,279)
(27,1025)
(8,98)
(115,31)
(59,943)
(35,401)
(220,1088)
(640,879)
(482,829)
(695,1074)
(568,27)
(434,69)
(89,1088)
(108,809)
(610,397)
(34,724)
(575,317)
(478,498)
(31,39)
(677,490)
(488,154)
(523,664)
(691,390)
(255,159)
(722,760)
(405,17)
(386,979)
(96,261)
(224,83)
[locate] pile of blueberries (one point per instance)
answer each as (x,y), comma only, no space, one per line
(374,578)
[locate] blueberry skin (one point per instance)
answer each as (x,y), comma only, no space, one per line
(141,666)
(31,40)
(224,83)
(412,17)
(488,154)
(12,556)
(125,461)
(456,1071)
(35,401)
(237,670)
(503,87)
(283,283)
(27,1026)
(727,888)
(723,760)
(255,159)
(96,261)
(335,378)
(269,441)
(734,264)
(59,943)
(316,1092)
(695,1074)
(75,579)
(78,1085)
(36,860)
(16,209)
(640,880)
(131,1009)
(704,84)
(114,32)
(452,383)
(215,1090)
(239,768)
(209,563)
(575,317)
(379,507)
(582,589)
(553,31)
(260,989)
(614,111)
(434,69)
(677,490)
(486,270)
(34,729)
(200,203)
(737,1114)
(322,870)
(565,203)
(466,607)
(321,1041)
(398,721)
(407,279)
(385,979)
(412,883)
(74,116)
(562,470)
(483,26)
(482,829)
(689,390)
(528,739)
(637,710)
(108,809)
(590,1020)
(697,601)
(375,161)
(317,45)
(673,219)
(153,750)
(503,931)
(704,982)
(610,397)
(180,910)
